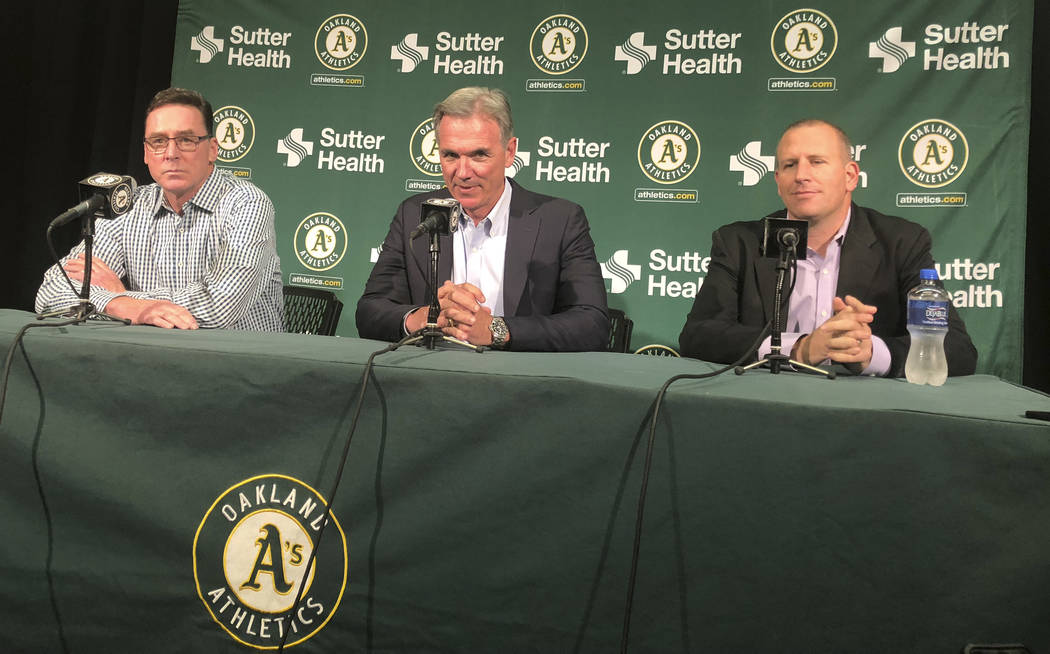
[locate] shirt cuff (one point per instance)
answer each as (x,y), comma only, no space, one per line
(787,343)
(101,298)
(404,320)
(880,358)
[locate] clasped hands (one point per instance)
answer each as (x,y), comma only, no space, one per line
(160,313)
(843,338)
(462,314)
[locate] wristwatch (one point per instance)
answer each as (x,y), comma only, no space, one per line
(498,327)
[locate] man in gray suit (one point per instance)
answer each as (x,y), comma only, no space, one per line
(849,303)
(520,271)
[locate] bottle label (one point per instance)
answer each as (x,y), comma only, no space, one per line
(927,313)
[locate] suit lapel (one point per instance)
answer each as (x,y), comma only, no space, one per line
(522,230)
(766,276)
(859,260)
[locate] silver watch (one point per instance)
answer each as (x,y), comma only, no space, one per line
(498,327)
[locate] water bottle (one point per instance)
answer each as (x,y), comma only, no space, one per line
(927,324)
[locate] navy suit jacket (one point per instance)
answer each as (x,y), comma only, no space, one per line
(553,291)
(880,262)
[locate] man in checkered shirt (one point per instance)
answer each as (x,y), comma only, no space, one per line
(197,249)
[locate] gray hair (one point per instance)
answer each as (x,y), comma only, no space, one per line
(471,100)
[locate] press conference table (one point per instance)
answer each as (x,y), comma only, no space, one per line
(488,501)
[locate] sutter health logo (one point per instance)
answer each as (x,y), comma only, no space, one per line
(409,52)
(206,44)
(341,41)
(804,40)
(620,272)
(558,44)
(454,54)
(668,152)
(752,163)
(249,560)
(635,53)
(235,132)
(295,147)
(933,153)
(892,49)
(702,51)
(687,271)
(320,241)
(261,47)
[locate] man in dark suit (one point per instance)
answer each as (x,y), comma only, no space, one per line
(849,304)
(520,272)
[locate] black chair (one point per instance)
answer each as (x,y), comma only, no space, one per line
(620,327)
(311,311)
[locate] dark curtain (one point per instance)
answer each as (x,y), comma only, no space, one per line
(82,74)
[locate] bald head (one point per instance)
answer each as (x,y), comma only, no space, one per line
(815,122)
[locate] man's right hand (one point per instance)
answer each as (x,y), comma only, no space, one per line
(160,313)
(459,303)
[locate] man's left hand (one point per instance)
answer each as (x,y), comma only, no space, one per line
(477,333)
(844,338)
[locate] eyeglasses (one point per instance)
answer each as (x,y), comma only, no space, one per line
(159,144)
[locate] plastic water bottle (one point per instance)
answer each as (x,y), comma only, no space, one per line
(927,324)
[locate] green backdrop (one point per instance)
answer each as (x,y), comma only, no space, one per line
(661,120)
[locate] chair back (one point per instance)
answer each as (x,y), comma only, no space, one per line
(311,311)
(620,327)
(657,350)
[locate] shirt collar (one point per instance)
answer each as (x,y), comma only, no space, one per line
(206,198)
(498,217)
(839,235)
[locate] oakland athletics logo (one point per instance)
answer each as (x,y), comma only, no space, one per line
(320,241)
(669,152)
(340,42)
(235,132)
(558,44)
(423,148)
(933,153)
(804,40)
(250,555)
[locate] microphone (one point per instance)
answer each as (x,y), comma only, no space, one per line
(438,216)
(787,237)
(781,236)
(106,195)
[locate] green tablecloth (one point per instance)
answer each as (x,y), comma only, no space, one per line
(488,501)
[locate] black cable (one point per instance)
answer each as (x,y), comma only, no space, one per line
(8,363)
(632,577)
(49,558)
(645,476)
(11,354)
(335,485)
(58,261)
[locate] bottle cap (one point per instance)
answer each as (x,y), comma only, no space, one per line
(928,273)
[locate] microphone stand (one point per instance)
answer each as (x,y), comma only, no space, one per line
(84,310)
(775,358)
(430,335)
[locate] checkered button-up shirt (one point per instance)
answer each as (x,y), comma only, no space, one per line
(218,259)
